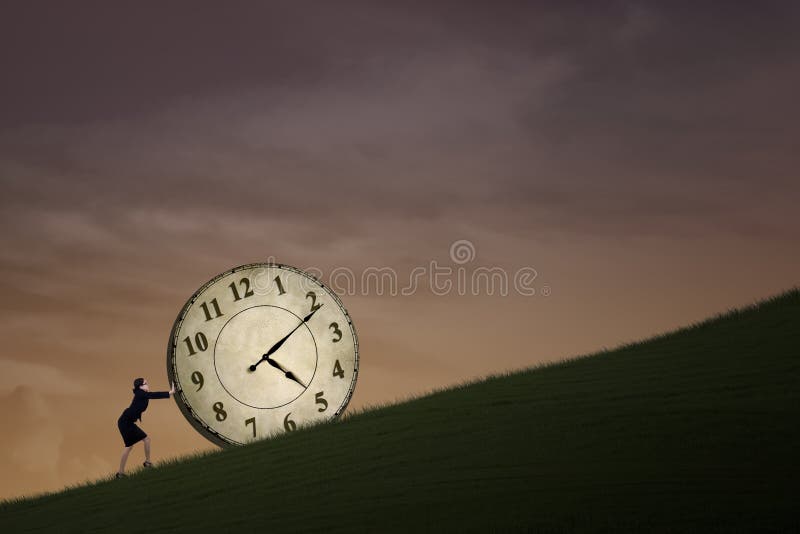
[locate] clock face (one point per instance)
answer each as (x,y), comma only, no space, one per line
(261,349)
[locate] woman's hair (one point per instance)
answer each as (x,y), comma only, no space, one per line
(136,383)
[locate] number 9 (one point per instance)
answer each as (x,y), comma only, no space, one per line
(197,378)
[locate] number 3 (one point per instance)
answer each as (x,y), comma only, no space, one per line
(336,332)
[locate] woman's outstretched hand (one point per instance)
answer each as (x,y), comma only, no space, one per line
(172,388)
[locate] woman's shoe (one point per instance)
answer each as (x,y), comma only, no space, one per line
(147,464)
(120,475)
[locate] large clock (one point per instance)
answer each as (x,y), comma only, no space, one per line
(261,349)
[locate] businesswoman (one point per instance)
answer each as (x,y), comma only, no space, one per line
(132,434)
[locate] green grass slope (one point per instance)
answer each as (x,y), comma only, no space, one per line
(695,430)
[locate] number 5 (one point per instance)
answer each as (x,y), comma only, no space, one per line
(320,400)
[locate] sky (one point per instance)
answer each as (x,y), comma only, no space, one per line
(626,167)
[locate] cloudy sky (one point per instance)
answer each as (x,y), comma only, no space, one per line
(640,159)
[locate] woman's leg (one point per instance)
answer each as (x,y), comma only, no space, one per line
(125,452)
(147,448)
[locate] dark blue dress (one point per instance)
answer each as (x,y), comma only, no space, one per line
(127,421)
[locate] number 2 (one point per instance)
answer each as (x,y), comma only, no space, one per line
(314,305)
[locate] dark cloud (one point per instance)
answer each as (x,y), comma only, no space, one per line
(319,113)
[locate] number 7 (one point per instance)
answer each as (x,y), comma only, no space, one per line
(251,420)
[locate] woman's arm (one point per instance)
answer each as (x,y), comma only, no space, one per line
(161,394)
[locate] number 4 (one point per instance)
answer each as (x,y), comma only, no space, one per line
(337,370)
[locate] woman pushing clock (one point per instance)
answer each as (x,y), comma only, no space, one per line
(132,434)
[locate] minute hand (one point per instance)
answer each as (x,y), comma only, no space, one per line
(277,345)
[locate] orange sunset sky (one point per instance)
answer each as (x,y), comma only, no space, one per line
(640,158)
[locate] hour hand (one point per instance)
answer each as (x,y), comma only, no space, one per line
(288,374)
(291,376)
(275,364)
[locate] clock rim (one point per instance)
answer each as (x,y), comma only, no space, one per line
(185,408)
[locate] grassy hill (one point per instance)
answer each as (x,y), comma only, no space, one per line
(695,430)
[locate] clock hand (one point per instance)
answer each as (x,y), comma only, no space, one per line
(291,376)
(277,345)
(288,374)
